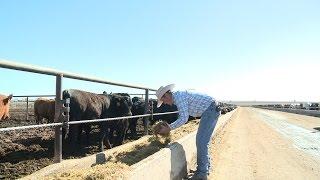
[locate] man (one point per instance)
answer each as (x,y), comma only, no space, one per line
(196,105)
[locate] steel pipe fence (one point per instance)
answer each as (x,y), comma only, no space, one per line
(53,72)
(36,96)
(29,127)
(81,122)
(27,100)
(135,94)
(59,119)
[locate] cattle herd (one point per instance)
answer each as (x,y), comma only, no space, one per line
(88,106)
(19,149)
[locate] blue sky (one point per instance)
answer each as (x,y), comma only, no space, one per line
(232,50)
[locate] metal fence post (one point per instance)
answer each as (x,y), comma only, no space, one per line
(146,108)
(152,111)
(58,129)
(27,115)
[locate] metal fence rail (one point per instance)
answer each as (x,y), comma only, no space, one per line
(27,100)
(29,127)
(36,96)
(48,71)
(26,96)
(80,122)
(59,120)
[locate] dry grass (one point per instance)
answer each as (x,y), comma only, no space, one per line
(109,170)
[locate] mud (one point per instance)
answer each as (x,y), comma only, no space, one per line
(23,152)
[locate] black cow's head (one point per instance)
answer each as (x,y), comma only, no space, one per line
(120,105)
(137,99)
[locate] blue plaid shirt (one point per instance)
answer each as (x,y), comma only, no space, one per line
(189,103)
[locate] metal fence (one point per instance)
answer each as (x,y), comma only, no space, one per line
(27,101)
(82,121)
(60,108)
(30,96)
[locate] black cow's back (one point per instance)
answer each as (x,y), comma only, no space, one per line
(86,105)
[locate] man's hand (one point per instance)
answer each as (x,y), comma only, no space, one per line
(162,128)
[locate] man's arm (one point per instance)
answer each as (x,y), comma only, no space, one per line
(182,106)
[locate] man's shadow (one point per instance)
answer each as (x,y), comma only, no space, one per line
(178,162)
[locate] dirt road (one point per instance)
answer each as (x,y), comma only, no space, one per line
(264,144)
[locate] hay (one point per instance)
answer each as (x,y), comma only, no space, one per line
(107,171)
(118,164)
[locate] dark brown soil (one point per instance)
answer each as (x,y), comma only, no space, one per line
(23,152)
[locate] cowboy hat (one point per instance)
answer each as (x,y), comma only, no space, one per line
(161,91)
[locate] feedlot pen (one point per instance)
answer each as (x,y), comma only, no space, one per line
(28,149)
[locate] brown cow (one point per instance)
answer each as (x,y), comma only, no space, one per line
(44,108)
(4,106)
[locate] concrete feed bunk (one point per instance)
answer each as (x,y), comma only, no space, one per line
(146,158)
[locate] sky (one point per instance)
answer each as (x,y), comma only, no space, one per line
(267,50)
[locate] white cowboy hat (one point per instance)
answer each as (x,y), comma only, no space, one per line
(161,91)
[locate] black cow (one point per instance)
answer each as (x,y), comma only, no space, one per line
(169,118)
(120,127)
(138,108)
(86,105)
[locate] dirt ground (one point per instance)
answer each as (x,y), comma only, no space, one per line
(23,152)
(255,145)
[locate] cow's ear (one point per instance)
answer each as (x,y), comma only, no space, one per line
(6,100)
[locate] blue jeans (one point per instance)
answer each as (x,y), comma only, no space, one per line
(207,123)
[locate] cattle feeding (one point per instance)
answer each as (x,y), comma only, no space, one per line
(138,108)
(85,106)
(120,127)
(169,118)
